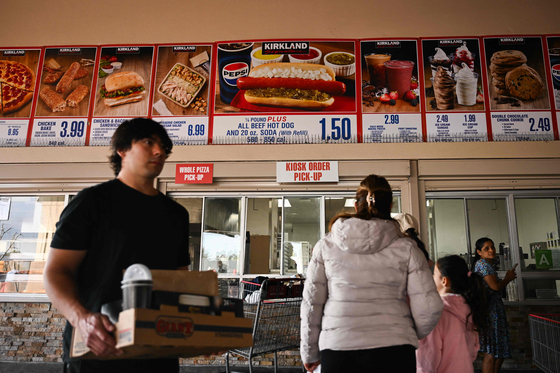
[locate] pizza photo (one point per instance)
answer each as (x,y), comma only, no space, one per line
(17,82)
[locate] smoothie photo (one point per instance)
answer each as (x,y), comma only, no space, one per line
(399,75)
(390,76)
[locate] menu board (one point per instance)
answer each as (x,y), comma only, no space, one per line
(182,92)
(62,109)
(297,91)
(518,89)
(122,91)
(18,82)
(286,91)
(553,47)
(391,100)
(453,80)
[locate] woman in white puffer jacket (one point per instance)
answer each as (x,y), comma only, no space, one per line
(369,295)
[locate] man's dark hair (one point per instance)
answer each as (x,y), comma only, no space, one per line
(134,130)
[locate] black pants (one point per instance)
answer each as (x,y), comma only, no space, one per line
(123,366)
(401,359)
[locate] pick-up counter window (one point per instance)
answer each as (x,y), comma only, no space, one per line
(242,237)
(522,224)
(27,224)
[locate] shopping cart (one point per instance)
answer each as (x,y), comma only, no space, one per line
(545,340)
(274,306)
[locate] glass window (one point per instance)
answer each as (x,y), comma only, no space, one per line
(446,228)
(541,288)
(537,222)
(194,207)
(302,230)
(221,239)
(262,249)
(336,205)
(488,218)
(27,224)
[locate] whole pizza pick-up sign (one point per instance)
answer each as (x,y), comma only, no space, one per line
(195,173)
(307,172)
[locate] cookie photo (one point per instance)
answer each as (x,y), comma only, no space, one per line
(508,57)
(524,83)
(503,69)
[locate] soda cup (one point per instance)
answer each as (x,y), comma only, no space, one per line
(137,287)
(234,61)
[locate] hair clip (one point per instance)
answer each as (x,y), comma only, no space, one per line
(469,273)
(370,200)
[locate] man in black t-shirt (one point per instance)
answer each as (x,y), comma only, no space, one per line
(107,228)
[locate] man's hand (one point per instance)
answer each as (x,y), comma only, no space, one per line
(312,366)
(96,330)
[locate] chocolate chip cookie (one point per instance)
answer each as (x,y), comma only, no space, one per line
(524,83)
(508,58)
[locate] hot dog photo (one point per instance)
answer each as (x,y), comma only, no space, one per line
(123,83)
(285,76)
(66,82)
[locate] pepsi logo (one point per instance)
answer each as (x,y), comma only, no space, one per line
(556,72)
(233,71)
(174,327)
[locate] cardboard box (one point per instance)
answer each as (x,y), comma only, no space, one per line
(148,333)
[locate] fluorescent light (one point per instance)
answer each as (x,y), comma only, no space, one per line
(349,202)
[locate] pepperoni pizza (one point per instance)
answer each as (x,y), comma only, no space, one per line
(17,83)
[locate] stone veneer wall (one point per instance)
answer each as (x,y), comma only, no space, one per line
(32,332)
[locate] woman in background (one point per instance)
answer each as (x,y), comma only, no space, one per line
(495,342)
(453,345)
(354,315)
(409,226)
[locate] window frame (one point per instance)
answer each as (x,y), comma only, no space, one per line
(32,297)
(510,196)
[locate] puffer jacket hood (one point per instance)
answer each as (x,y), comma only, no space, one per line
(357,236)
(367,286)
(457,307)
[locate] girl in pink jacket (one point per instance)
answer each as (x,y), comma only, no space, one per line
(453,345)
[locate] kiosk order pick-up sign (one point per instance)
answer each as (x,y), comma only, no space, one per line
(307,172)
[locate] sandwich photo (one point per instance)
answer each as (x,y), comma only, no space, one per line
(297,85)
(123,88)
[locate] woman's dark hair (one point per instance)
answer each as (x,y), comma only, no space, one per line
(478,246)
(411,232)
(380,207)
(470,286)
(134,130)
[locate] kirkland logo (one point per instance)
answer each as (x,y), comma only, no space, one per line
(131,50)
(287,47)
(451,42)
(388,44)
(70,51)
(14,52)
(174,327)
(506,41)
(184,48)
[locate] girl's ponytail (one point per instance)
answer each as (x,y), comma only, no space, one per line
(470,286)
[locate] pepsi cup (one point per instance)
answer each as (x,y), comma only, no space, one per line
(234,61)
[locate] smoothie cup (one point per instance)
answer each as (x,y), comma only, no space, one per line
(399,75)
(376,69)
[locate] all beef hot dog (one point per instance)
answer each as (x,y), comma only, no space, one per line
(299,85)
